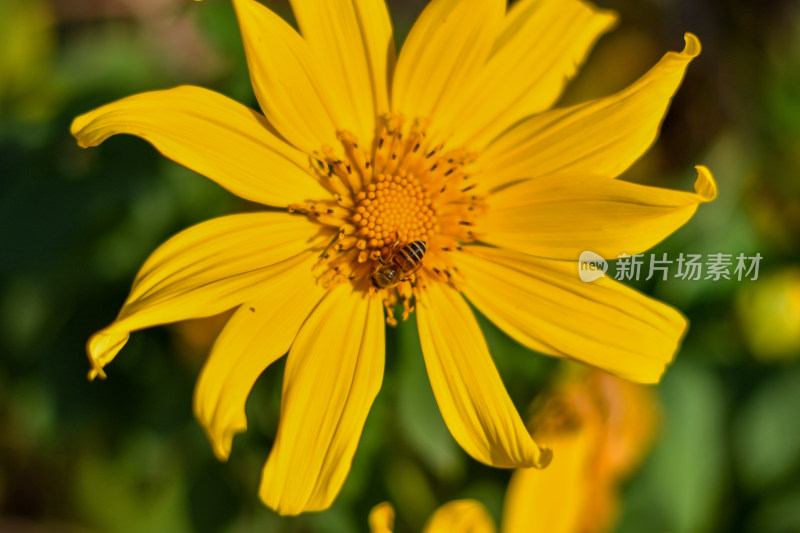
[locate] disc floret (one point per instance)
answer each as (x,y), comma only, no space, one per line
(402,189)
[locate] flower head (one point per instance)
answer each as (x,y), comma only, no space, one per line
(600,428)
(449,148)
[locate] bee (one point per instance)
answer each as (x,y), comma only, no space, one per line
(401,264)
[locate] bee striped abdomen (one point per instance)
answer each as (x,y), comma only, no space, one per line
(409,257)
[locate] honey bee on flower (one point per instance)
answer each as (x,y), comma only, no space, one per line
(401,265)
(451,143)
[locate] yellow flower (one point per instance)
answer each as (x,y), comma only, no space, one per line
(451,144)
(600,428)
(769,315)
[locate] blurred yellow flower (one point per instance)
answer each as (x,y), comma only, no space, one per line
(600,427)
(28,91)
(769,314)
(358,152)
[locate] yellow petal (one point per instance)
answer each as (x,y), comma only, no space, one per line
(286,78)
(443,56)
(333,373)
(259,333)
(460,516)
(551,500)
(467,387)
(541,47)
(602,137)
(205,270)
(354,46)
(212,135)
(381,518)
(545,306)
(559,217)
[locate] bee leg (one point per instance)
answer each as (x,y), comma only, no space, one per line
(381,260)
(396,243)
(412,279)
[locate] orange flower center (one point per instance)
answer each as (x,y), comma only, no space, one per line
(393,207)
(398,191)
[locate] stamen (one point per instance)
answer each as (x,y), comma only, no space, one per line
(392,194)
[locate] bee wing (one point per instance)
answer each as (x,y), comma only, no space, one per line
(407,275)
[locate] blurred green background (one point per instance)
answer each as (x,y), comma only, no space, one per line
(125,455)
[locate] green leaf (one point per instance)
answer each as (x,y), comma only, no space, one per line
(418,414)
(686,473)
(767,433)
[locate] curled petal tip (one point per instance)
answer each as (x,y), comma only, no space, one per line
(611,16)
(102,347)
(75,129)
(545,457)
(222,438)
(705,185)
(222,451)
(692,47)
(96,372)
